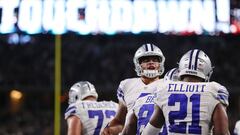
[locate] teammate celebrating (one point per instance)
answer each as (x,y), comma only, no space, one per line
(149,65)
(191,105)
(85,115)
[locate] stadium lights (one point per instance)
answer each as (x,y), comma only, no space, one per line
(114,16)
(16,95)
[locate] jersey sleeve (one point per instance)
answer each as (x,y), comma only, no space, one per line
(120,92)
(221,94)
(73,109)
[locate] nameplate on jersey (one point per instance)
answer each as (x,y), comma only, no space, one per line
(175,87)
(97,105)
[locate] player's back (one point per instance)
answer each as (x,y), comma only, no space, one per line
(93,115)
(188,107)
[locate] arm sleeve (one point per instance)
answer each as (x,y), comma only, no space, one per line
(222,94)
(120,93)
(74,109)
(71,110)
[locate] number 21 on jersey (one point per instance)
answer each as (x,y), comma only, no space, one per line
(194,102)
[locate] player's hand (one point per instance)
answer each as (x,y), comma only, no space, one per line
(107,131)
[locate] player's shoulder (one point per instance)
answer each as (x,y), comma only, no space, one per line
(161,83)
(218,87)
(103,105)
(220,92)
(129,80)
(158,82)
(78,105)
(125,84)
(109,102)
(71,110)
(216,84)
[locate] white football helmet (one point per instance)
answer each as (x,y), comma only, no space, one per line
(148,50)
(171,75)
(81,90)
(197,63)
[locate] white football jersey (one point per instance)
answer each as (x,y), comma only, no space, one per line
(143,110)
(93,115)
(237,128)
(188,107)
(130,89)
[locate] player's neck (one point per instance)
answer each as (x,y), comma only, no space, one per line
(148,80)
(91,98)
(192,79)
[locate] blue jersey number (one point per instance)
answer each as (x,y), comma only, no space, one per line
(144,115)
(194,128)
(100,115)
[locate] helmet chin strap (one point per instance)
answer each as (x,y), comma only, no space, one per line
(150,73)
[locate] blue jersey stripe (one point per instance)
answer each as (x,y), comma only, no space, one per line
(143,94)
(70,108)
(220,91)
(120,94)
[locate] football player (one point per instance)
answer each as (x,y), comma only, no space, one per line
(192,105)
(149,65)
(85,115)
(144,107)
